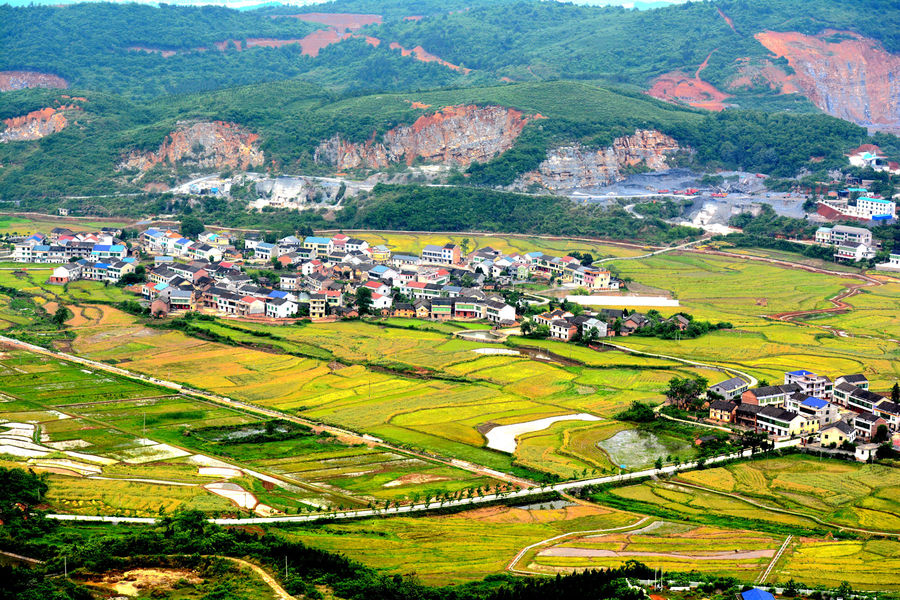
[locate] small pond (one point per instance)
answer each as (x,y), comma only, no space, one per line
(634,448)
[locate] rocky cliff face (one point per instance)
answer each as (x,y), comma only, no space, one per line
(456,135)
(35,125)
(574,167)
(205,145)
(844,74)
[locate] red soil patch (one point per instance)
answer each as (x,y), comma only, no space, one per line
(421,54)
(678,86)
(843,73)
(415,104)
(752,74)
(317,40)
(506,79)
(340,20)
(414,18)
(270,42)
(19,80)
(373,41)
(727,19)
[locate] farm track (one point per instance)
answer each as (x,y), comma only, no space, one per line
(765,574)
(793,513)
(511,567)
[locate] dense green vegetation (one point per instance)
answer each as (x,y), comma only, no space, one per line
(528,40)
(466,209)
(68,41)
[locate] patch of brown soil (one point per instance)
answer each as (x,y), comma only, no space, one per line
(679,87)
(413,479)
(765,73)
(597,553)
(414,18)
(36,124)
(727,19)
(349,21)
(134,581)
(420,105)
(20,80)
(843,73)
(317,40)
(419,53)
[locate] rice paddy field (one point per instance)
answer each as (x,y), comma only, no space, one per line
(846,494)
(28,225)
(412,243)
(719,288)
(419,388)
(660,544)
(456,548)
(114,446)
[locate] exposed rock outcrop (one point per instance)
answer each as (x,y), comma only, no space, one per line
(844,74)
(35,125)
(20,80)
(577,167)
(456,135)
(204,145)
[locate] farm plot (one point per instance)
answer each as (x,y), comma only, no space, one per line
(676,502)
(664,545)
(440,399)
(864,564)
(849,494)
(461,547)
(414,242)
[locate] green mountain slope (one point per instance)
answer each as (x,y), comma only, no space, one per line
(292,118)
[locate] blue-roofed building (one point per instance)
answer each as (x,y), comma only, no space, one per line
(278,294)
(104,251)
(322,246)
(756,594)
(813,408)
(810,383)
(264,251)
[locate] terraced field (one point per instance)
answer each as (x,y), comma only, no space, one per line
(114,446)
(853,495)
(424,389)
(660,544)
(462,547)
(413,243)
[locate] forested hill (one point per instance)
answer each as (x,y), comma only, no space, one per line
(706,53)
(291,119)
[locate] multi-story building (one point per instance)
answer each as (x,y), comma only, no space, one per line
(810,383)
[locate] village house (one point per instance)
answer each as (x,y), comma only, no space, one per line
(836,434)
(730,388)
(810,383)
(770,395)
(562,329)
(723,410)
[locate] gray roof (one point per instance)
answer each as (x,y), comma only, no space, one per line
(731,384)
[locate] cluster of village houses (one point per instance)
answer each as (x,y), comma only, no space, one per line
(320,272)
(809,406)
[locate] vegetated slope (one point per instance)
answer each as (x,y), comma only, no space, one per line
(704,54)
(146,51)
(292,119)
(699,53)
